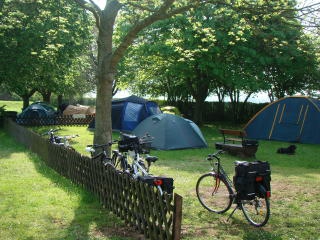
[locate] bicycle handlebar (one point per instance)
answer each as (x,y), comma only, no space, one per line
(51,131)
(215,155)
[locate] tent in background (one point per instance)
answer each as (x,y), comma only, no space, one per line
(171,132)
(35,111)
(128,112)
(290,119)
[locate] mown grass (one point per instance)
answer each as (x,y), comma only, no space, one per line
(295,188)
(37,203)
(12,105)
(294,203)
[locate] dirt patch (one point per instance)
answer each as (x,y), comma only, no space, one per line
(117,231)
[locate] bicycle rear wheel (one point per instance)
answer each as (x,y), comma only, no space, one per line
(214,193)
(256,211)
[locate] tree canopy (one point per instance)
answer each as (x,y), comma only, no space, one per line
(217,49)
(42,45)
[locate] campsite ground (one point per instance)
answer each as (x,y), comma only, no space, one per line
(294,202)
(36,203)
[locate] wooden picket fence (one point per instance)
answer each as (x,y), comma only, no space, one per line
(138,204)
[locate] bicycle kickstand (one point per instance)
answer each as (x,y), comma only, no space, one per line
(237,207)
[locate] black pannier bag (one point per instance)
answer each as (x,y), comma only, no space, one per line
(127,142)
(167,182)
(248,177)
(130,142)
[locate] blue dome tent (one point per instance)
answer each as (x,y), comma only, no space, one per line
(290,119)
(37,110)
(128,112)
(171,132)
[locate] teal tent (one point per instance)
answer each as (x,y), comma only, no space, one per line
(171,132)
(290,119)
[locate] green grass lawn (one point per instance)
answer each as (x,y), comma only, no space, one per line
(37,203)
(295,197)
(12,105)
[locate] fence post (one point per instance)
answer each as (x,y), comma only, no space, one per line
(177,217)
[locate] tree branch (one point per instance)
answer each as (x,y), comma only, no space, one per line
(96,7)
(160,14)
(93,8)
(138,6)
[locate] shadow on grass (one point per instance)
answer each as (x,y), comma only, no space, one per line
(219,227)
(91,220)
(8,145)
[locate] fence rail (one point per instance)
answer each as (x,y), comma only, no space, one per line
(76,119)
(138,204)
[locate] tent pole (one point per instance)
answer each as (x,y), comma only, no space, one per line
(274,121)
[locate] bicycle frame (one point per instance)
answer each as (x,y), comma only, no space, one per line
(136,165)
(219,170)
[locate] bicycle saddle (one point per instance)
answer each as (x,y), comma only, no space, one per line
(150,159)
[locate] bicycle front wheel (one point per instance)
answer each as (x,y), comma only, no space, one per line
(214,193)
(256,211)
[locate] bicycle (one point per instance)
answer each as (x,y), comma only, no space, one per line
(132,162)
(103,155)
(216,192)
(60,140)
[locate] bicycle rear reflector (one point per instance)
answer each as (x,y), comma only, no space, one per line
(259,178)
(158,182)
(166,183)
(268,194)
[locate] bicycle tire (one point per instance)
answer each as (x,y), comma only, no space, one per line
(256,211)
(214,193)
(109,164)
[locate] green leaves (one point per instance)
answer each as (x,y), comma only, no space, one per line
(40,42)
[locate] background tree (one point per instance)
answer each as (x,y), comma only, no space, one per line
(220,50)
(40,44)
(138,16)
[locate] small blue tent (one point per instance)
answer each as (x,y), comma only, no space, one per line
(128,112)
(171,132)
(35,111)
(290,119)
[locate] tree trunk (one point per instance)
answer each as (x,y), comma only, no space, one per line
(26,98)
(103,124)
(106,76)
(198,112)
(26,101)
(46,96)
(60,99)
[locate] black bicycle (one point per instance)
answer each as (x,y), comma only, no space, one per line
(249,190)
(100,152)
(133,158)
